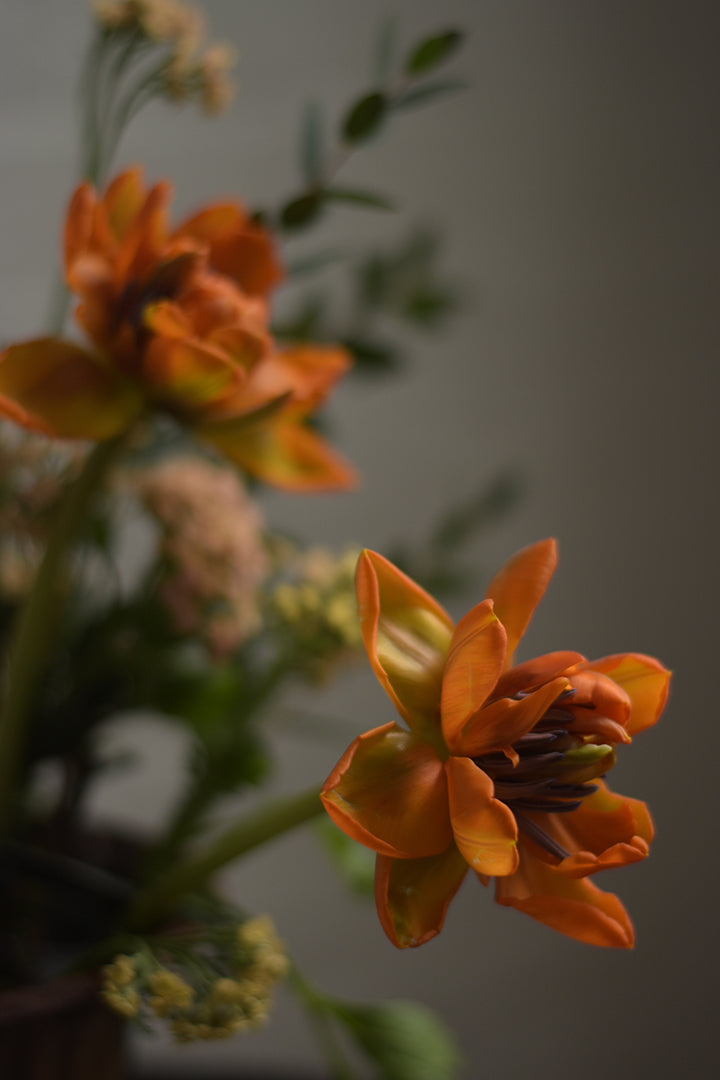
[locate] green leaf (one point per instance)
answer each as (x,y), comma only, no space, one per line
(354,863)
(364,117)
(404,1040)
(420,95)
(359,198)
(311,144)
(433,51)
(385,50)
(300,212)
(371,357)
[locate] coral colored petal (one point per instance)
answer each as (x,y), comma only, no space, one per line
(312,370)
(499,725)
(185,375)
(533,673)
(406,634)
(388,791)
(475,659)
(606,831)
(167,319)
(598,692)
(65,391)
(412,895)
(124,200)
(484,828)
(518,587)
(643,679)
(574,907)
(284,454)
(238,248)
(78,227)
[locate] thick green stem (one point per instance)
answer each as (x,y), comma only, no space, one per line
(265,824)
(38,619)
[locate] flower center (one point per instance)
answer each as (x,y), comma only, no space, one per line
(551,772)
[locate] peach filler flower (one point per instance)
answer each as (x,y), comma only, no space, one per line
(212,540)
(178,320)
(495,767)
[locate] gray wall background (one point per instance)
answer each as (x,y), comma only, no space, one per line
(576,182)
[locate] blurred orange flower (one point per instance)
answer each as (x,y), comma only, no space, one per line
(499,767)
(179,321)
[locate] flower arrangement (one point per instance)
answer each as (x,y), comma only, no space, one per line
(175,396)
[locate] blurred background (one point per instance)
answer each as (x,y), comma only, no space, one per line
(574,183)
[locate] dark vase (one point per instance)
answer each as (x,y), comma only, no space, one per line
(59,1030)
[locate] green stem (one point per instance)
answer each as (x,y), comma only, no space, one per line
(271,820)
(36,625)
(322,1024)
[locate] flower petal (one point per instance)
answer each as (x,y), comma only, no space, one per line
(406,634)
(239,248)
(518,587)
(124,200)
(600,694)
(475,659)
(575,907)
(533,673)
(388,791)
(186,375)
(412,895)
(643,679)
(281,452)
(65,391)
(484,828)
(499,725)
(606,831)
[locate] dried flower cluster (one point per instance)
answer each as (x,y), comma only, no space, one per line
(222,986)
(212,539)
(191,72)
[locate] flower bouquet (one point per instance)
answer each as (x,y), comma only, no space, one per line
(166,393)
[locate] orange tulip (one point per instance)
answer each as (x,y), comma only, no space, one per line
(496,768)
(179,321)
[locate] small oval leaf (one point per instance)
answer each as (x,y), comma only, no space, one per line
(365,117)
(432,51)
(301,211)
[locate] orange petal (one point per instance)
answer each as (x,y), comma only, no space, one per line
(406,634)
(78,226)
(285,454)
(518,587)
(186,375)
(475,659)
(596,691)
(124,200)
(499,725)
(167,319)
(311,371)
(238,248)
(643,679)
(388,791)
(575,907)
(607,831)
(65,391)
(533,673)
(412,895)
(484,828)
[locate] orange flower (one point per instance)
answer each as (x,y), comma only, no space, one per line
(498,767)
(179,321)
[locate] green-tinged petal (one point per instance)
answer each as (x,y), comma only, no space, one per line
(518,587)
(388,791)
(474,662)
(281,452)
(643,679)
(413,895)
(573,906)
(498,725)
(407,636)
(186,375)
(484,828)
(65,391)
